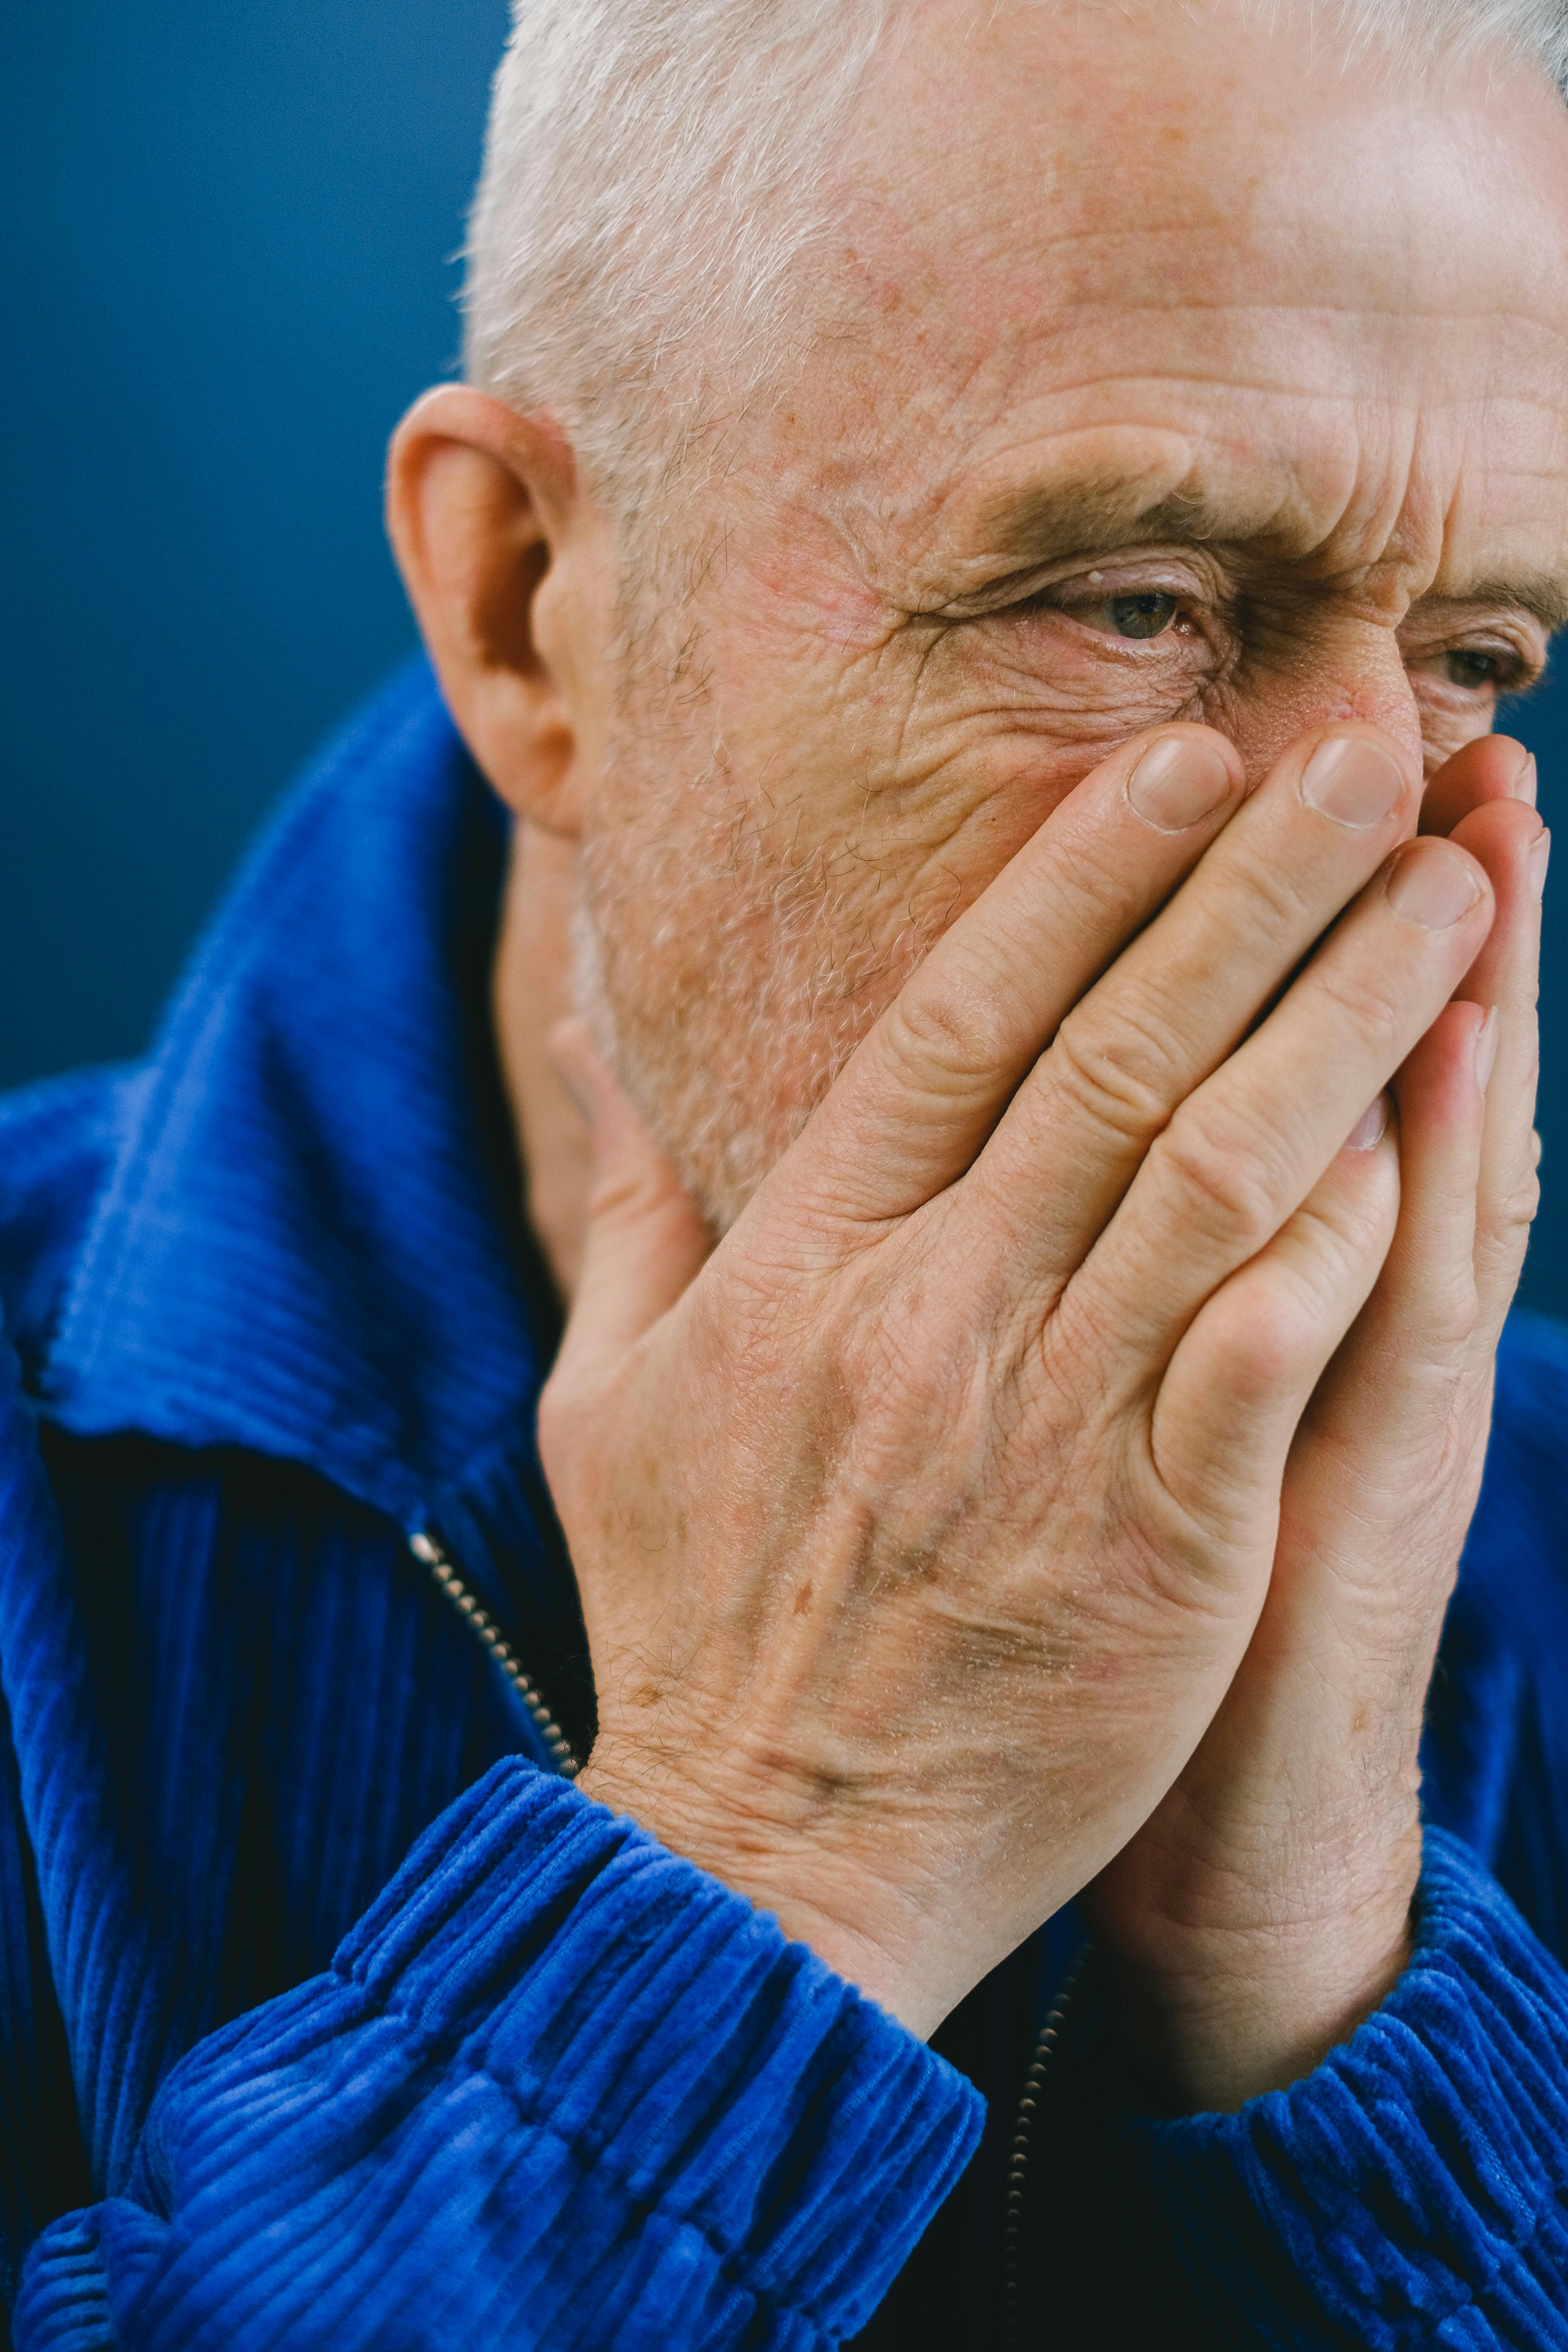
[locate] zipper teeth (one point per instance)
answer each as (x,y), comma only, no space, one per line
(425,1548)
(1046,2044)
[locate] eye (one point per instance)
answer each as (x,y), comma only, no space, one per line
(1147,616)
(1468,666)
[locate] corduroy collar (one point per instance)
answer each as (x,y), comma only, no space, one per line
(310,1243)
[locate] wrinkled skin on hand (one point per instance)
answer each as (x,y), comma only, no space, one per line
(1293,1835)
(1053,1478)
(922,1528)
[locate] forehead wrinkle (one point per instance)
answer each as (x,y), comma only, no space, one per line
(1380,523)
(1048,526)
(1169,485)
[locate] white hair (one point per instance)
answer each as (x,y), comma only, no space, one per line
(653,168)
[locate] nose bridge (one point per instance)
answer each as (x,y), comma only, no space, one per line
(1347,665)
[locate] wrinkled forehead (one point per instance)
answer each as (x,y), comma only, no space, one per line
(1167,257)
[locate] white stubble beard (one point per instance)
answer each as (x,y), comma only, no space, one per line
(725,982)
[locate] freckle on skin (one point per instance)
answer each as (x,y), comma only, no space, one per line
(803,1598)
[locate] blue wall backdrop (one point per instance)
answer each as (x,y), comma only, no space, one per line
(231,233)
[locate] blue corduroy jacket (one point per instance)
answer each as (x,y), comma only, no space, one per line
(333,2014)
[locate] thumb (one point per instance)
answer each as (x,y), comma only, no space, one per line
(646,1238)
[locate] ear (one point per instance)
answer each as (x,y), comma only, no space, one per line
(510,574)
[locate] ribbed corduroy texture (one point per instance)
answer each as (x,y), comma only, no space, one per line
(1412,2191)
(558,2088)
(308,1239)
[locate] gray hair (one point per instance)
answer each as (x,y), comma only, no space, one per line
(655,169)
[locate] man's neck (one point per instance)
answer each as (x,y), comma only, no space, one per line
(531,991)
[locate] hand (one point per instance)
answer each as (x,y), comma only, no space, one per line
(1265,1908)
(921,1526)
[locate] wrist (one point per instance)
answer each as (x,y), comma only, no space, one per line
(855,1925)
(1232,2011)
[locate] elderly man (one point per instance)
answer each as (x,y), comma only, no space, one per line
(980,549)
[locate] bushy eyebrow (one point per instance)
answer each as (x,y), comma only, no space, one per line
(1542,594)
(1048,525)
(1082,518)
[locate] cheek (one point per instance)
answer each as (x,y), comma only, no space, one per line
(1449,722)
(1048,677)
(979,744)
(1031,702)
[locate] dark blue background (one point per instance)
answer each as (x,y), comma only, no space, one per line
(231,230)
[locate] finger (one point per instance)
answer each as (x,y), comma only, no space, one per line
(1239,1381)
(646,1240)
(1244,1151)
(1185,992)
(1492,768)
(928,1084)
(1414,1337)
(1513,846)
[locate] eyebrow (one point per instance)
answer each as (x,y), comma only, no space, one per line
(1043,526)
(1542,594)
(1047,525)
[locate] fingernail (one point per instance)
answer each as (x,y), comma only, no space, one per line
(1370,1127)
(1524,783)
(1485,1049)
(1433,886)
(1177,783)
(1352,780)
(1539,859)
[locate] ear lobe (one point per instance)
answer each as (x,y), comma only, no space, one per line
(482,504)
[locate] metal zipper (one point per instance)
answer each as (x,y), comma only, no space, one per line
(425,1548)
(1046,2044)
(434,1556)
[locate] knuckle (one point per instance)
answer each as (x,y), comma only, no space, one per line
(1458,1310)
(1516,1209)
(1277,1340)
(1376,1000)
(1308,1287)
(1270,905)
(1503,1234)
(1340,1226)
(1115,1070)
(1223,1175)
(1324,1237)
(946,1040)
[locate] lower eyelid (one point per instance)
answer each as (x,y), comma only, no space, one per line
(1081,614)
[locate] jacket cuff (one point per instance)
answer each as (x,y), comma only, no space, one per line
(1414,2189)
(791,2138)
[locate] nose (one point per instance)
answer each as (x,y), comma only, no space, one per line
(1353,670)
